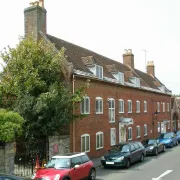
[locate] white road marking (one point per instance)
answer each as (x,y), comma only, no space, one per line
(162,175)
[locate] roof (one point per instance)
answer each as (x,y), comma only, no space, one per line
(80,57)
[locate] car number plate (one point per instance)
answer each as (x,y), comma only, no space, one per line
(109,162)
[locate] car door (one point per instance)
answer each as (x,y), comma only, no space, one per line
(138,151)
(133,153)
(86,165)
(76,173)
(173,138)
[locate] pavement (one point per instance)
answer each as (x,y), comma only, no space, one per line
(96,162)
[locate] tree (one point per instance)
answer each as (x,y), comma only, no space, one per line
(10,125)
(32,84)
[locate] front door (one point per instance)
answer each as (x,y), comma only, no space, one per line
(122,133)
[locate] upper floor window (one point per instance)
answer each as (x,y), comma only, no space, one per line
(163,107)
(111,110)
(129,106)
(168,124)
(85,143)
(99,140)
(168,107)
(138,132)
(129,133)
(145,106)
(99,71)
(137,106)
(158,107)
(121,106)
(85,105)
(119,76)
(145,130)
(99,105)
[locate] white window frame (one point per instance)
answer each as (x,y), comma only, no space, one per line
(129,106)
(158,106)
(138,106)
(85,110)
(129,133)
(85,135)
(111,110)
(145,130)
(169,124)
(99,72)
(168,107)
(121,106)
(145,106)
(98,142)
(121,77)
(99,101)
(163,107)
(158,127)
(113,136)
(138,131)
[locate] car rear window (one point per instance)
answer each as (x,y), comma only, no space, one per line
(136,146)
(84,158)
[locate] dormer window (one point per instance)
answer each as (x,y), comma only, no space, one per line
(119,76)
(99,71)
(162,88)
(136,81)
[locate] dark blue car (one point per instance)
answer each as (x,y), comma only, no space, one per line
(178,136)
(169,139)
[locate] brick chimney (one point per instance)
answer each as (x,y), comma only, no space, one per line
(150,68)
(35,19)
(128,58)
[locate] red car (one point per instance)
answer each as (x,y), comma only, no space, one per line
(71,166)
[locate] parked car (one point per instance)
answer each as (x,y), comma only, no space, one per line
(153,146)
(9,177)
(124,154)
(178,136)
(169,139)
(74,166)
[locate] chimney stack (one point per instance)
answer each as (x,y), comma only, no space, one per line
(150,68)
(128,58)
(35,19)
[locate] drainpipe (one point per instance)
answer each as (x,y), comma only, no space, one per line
(73,128)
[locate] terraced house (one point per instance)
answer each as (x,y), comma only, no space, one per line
(121,103)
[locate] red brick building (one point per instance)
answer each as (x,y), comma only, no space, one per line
(121,102)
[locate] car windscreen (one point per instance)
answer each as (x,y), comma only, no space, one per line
(120,148)
(58,163)
(167,135)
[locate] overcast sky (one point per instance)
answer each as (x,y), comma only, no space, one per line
(108,27)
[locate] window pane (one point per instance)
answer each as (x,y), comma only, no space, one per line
(97,141)
(82,144)
(97,108)
(87,143)
(87,105)
(100,105)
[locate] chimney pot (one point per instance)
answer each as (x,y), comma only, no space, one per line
(150,68)
(128,58)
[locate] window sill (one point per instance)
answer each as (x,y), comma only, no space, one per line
(138,137)
(129,112)
(121,112)
(129,139)
(145,134)
(99,112)
(112,122)
(99,148)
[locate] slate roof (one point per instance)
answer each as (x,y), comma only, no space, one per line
(80,56)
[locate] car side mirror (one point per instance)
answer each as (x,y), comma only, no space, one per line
(76,166)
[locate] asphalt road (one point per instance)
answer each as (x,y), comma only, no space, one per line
(165,166)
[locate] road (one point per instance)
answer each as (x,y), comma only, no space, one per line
(165,166)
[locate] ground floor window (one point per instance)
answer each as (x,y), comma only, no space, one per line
(159,127)
(85,143)
(130,133)
(138,131)
(113,136)
(99,140)
(145,130)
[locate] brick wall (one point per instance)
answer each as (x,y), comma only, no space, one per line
(94,123)
(7,158)
(58,145)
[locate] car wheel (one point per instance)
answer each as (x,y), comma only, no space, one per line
(92,174)
(164,148)
(128,163)
(142,158)
(66,179)
(156,152)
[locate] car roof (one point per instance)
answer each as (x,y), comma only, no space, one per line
(69,155)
